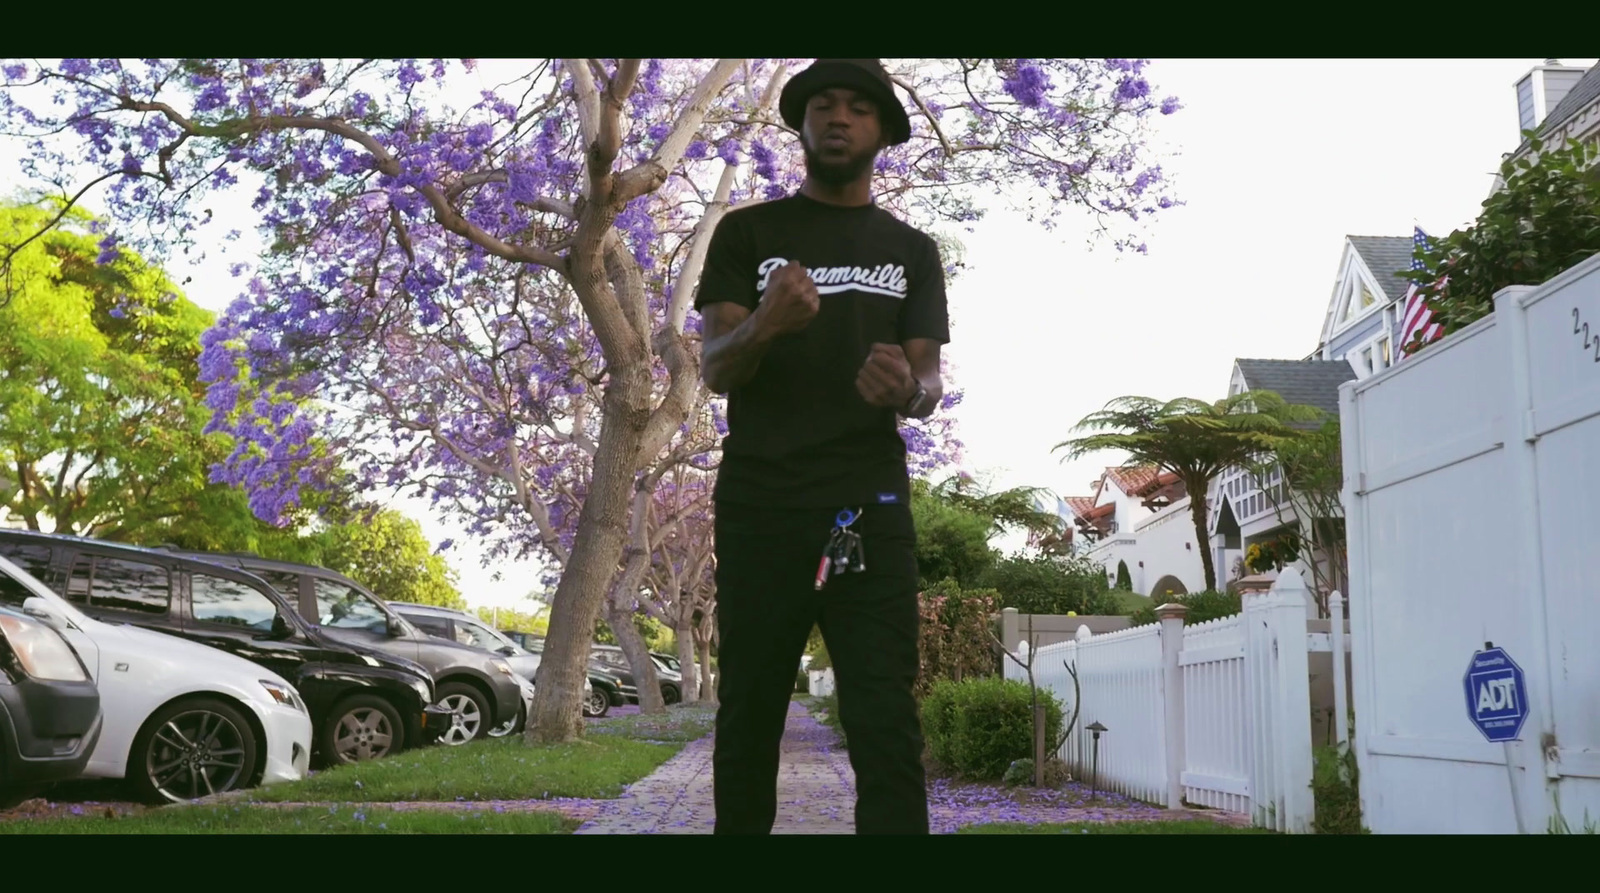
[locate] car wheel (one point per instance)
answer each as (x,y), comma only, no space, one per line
(361,728)
(669,693)
(597,704)
(470,711)
(510,726)
(191,749)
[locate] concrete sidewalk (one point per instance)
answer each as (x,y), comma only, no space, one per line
(816,795)
(816,789)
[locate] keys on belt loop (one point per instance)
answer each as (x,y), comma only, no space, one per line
(843,551)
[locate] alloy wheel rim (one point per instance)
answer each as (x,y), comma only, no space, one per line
(195,754)
(465,719)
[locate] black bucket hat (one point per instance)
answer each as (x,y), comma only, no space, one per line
(863,75)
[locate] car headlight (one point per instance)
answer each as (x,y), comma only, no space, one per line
(284,695)
(504,667)
(41,651)
(423,690)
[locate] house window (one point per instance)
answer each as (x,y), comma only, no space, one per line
(1386,353)
(1360,300)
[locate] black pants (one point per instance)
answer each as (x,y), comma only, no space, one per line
(766,605)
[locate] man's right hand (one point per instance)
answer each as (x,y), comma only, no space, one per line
(790,301)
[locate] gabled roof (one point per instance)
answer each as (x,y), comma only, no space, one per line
(1584,92)
(1386,257)
(1307,382)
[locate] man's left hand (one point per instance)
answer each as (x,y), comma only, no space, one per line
(885,379)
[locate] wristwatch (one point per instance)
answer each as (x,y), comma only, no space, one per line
(915,403)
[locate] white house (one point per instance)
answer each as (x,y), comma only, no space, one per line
(1558,102)
(1244,508)
(1138,517)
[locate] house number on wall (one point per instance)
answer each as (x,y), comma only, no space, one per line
(1582,328)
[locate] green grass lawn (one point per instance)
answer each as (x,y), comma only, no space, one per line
(301,820)
(1185,826)
(612,754)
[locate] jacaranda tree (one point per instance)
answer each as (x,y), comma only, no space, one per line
(488,299)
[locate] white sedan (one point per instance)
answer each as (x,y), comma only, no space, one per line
(182,720)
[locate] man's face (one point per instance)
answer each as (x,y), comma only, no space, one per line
(841,135)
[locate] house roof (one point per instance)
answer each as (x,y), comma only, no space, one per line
(1081,505)
(1584,92)
(1136,479)
(1307,382)
(1386,257)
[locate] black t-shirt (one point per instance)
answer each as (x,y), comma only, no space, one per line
(799,433)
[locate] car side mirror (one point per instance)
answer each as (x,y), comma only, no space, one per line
(34,606)
(280,629)
(396,628)
(506,650)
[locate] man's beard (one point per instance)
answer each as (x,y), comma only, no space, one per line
(837,173)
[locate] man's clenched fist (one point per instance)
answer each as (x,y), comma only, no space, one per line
(790,301)
(885,379)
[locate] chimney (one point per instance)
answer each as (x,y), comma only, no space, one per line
(1541,90)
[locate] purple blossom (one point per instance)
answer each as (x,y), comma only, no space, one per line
(1028,86)
(1132,88)
(16,72)
(1170,105)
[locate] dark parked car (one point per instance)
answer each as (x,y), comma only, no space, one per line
(50,715)
(471,631)
(605,688)
(612,658)
(481,690)
(363,703)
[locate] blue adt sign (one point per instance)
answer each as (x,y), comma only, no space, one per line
(1497,695)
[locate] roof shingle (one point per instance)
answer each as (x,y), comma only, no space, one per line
(1386,257)
(1306,382)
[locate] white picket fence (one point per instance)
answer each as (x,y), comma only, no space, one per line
(1217,714)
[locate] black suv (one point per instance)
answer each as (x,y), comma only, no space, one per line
(480,689)
(363,703)
(50,715)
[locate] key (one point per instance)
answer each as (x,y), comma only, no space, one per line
(858,558)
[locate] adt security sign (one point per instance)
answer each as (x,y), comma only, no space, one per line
(1497,695)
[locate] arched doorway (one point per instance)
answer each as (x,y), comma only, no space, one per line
(1168,585)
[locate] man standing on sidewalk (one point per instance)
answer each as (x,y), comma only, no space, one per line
(823,319)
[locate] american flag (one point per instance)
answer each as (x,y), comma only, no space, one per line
(1416,316)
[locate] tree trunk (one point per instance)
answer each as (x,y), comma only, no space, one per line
(1197,510)
(557,713)
(640,663)
(708,685)
(684,634)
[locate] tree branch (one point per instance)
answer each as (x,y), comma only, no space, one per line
(649,174)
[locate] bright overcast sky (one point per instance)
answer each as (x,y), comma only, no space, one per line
(1277,160)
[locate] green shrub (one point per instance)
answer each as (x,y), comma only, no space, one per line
(1202,606)
(1335,785)
(938,720)
(953,634)
(978,727)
